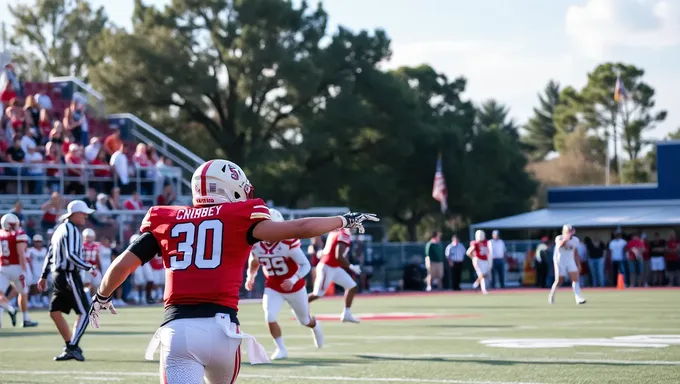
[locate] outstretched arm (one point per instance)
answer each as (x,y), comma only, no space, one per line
(309,227)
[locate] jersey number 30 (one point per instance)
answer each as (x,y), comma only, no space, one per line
(196,239)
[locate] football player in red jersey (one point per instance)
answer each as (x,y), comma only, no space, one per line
(479,252)
(331,269)
(14,266)
(285,267)
(204,249)
(91,255)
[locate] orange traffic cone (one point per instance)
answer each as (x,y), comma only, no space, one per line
(331,289)
(620,283)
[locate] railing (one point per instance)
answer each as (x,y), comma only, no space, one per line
(36,174)
(180,155)
(81,86)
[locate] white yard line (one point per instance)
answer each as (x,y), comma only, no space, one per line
(112,375)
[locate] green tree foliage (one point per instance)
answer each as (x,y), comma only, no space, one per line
(595,108)
(62,31)
(493,115)
(540,129)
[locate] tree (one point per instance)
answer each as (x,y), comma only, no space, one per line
(540,129)
(595,108)
(493,115)
(62,31)
(244,71)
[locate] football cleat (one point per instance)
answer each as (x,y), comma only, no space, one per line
(280,354)
(318,335)
(348,318)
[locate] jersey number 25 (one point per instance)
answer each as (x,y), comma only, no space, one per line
(275,266)
(198,237)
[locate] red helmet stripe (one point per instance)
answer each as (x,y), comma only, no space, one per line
(204,182)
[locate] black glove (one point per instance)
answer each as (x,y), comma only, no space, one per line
(356,219)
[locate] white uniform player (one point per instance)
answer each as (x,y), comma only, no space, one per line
(566,261)
(285,267)
(36,254)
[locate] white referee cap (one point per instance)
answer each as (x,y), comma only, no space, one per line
(38,238)
(76,206)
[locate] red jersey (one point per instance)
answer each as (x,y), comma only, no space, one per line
(328,254)
(8,246)
(635,249)
(278,263)
(91,253)
(480,249)
(156,263)
(204,249)
(672,254)
(133,205)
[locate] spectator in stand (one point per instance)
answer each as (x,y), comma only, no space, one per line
(44,126)
(152,154)
(16,117)
(76,122)
(93,149)
(167,197)
(134,203)
(15,155)
(91,201)
(53,157)
(102,173)
(164,169)
(44,101)
(68,140)
(141,162)
(6,94)
(36,171)
(113,201)
(18,210)
(636,249)
(672,260)
(113,143)
(617,251)
(121,167)
(28,141)
(74,170)
(596,252)
(32,114)
(57,133)
(657,251)
(103,211)
(51,210)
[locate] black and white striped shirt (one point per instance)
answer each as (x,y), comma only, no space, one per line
(66,250)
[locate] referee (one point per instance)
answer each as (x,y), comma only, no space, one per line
(64,259)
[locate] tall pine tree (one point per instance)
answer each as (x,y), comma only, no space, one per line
(540,129)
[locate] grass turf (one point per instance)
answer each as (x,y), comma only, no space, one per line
(447,348)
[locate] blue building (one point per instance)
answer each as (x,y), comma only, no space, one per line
(642,205)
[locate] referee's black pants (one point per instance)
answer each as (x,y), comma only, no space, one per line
(69,294)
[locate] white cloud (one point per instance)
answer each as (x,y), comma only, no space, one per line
(599,26)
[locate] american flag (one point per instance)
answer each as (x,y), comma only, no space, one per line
(620,91)
(439,191)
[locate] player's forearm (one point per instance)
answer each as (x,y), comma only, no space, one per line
(22,257)
(46,266)
(253,265)
(310,227)
(121,267)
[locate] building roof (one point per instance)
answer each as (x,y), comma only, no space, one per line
(589,217)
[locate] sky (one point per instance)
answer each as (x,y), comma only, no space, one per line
(510,49)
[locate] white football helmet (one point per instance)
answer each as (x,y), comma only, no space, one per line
(275,215)
(218,182)
(10,222)
(88,234)
(480,235)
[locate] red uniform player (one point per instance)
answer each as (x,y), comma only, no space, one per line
(14,267)
(332,268)
(479,252)
(204,248)
(285,267)
(91,255)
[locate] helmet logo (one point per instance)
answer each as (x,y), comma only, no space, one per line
(234,172)
(212,188)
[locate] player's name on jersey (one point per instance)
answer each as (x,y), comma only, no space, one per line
(197,213)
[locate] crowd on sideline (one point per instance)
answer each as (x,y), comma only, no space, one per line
(642,261)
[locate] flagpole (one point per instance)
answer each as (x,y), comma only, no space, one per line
(607,164)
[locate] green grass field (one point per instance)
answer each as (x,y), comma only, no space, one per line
(460,345)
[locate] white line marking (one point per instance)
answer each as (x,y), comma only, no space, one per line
(279,376)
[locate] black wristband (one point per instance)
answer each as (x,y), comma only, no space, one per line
(102,298)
